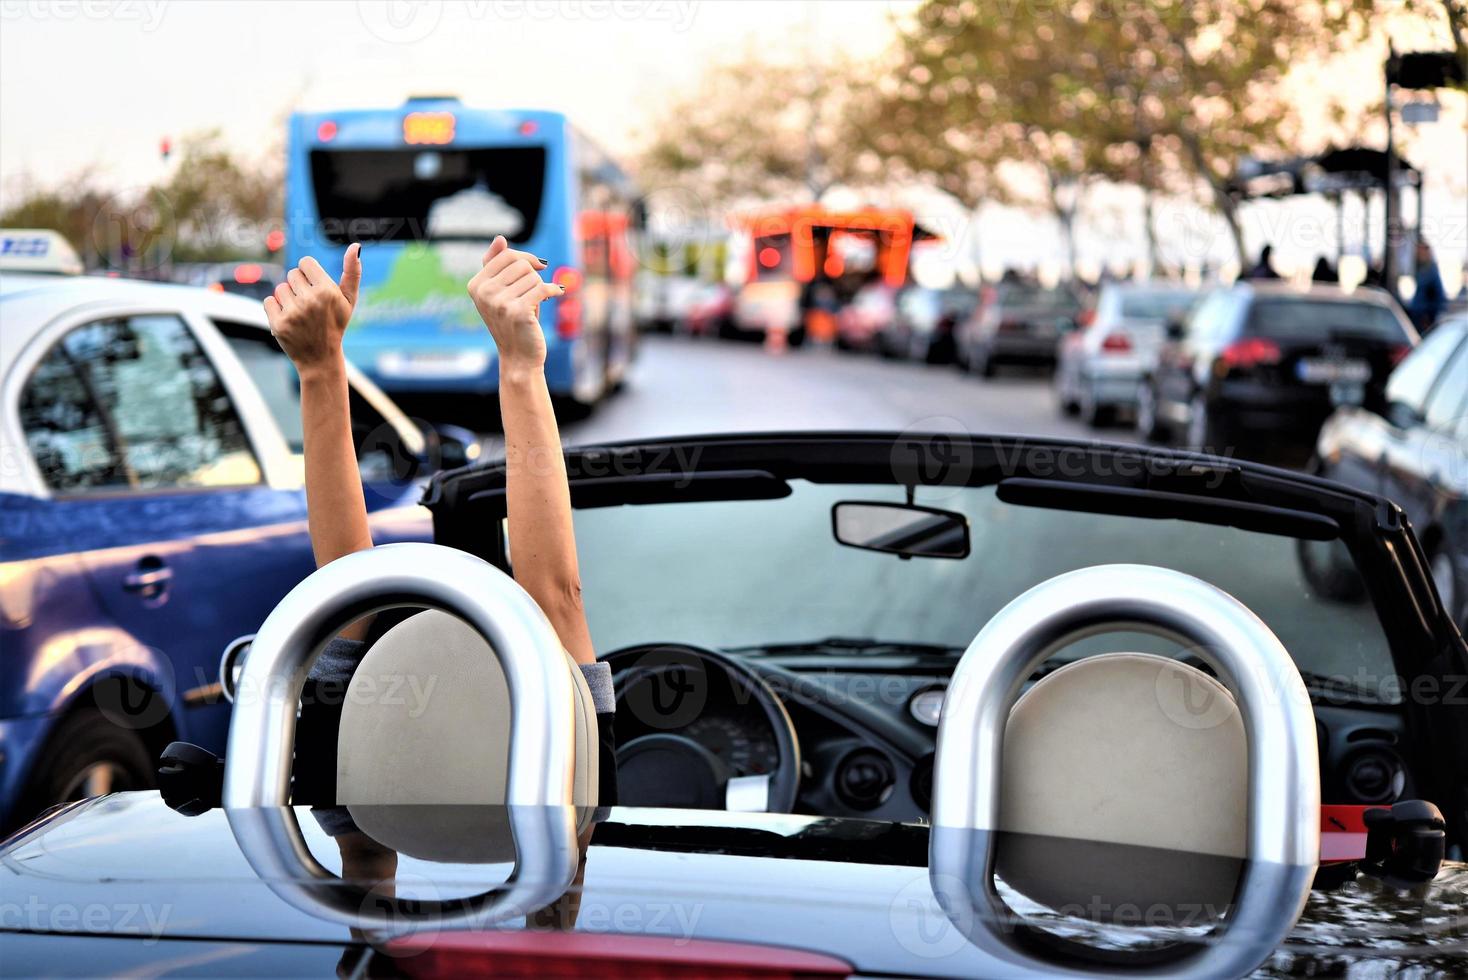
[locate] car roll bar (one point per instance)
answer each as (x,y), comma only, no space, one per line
(546,858)
(1282,839)
(257,770)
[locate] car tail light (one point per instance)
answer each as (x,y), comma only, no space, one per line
(1399,352)
(1117,343)
(216,287)
(1086,317)
(585,954)
(247,274)
(1248,353)
(1011,326)
(568,310)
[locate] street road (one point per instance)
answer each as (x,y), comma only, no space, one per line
(684,385)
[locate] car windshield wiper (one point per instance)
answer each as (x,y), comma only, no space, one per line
(1338,687)
(854,644)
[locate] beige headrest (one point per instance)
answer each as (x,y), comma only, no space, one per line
(1130,749)
(426,720)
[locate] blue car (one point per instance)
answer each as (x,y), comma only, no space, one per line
(152,511)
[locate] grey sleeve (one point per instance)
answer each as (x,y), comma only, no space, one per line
(338,660)
(599,679)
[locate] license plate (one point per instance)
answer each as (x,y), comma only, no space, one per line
(1331,371)
(433,364)
(1347,393)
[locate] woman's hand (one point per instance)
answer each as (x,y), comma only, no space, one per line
(308,313)
(508,292)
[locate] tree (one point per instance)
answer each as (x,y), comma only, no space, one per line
(757,129)
(1140,91)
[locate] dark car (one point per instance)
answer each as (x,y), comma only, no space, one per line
(1265,360)
(1416,453)
(922,328)
(1018,323)
(855,744)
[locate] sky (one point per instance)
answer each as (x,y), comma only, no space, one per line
(99,83)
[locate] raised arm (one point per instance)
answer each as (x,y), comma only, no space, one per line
(508,292)
(308,315)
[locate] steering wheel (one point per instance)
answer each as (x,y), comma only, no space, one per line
(666,687)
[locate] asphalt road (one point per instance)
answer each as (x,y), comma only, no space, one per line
(681,386)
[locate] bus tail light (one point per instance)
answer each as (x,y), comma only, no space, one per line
(568,310)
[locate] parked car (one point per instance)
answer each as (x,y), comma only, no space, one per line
(923,324)
(1416,453)
(895,757)
(710,311)
(860,322)
(1100,366)
(151,512)
(1267,360)
(253,280)
(1017,322)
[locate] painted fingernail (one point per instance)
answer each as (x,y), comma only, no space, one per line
(562,285)
(541,260)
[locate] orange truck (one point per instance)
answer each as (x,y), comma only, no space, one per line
(800,268)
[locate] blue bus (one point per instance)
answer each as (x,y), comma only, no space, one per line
(426,187)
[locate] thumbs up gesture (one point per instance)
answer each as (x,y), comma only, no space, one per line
(309,312)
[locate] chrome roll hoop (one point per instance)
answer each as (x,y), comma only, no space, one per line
(1283,842)
(257,769)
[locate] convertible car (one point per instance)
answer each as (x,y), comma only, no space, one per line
(886,706)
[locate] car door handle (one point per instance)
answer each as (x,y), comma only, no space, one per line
(151,576)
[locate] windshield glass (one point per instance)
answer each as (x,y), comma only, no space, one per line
(435,195)
(1156,306)
(1038,297)
(777,576)
(1303,319)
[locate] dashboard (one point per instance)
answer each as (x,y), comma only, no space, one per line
(866,733)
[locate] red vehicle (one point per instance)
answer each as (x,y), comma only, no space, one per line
(798,275)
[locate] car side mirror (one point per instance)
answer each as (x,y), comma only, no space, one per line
(449,447)
(232,663)
(1403,416)
(905,530)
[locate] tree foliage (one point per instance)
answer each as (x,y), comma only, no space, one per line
(1152,92)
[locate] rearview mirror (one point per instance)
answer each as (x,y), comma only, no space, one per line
(906,530)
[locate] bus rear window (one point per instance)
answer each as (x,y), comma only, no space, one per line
(428,195)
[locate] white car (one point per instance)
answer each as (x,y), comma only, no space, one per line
(1098,368)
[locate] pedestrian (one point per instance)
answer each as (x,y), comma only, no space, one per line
(1324,271)
(1264,268)
(1429,297)
(308,315)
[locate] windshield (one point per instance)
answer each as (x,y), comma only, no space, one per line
(1305,319)
(777,576)
(1156,306)
(1038,297)
(436,195)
